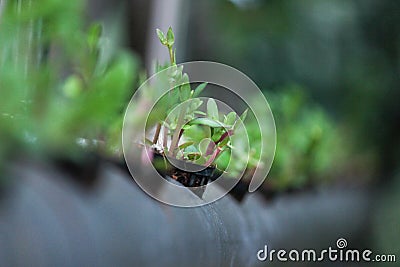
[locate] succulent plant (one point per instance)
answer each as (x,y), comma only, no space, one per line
(194,130)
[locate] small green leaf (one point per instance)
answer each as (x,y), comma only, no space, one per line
(161,37)
(199,112)
(185,145)
(185,92)
(196,133)
(205,145)
(159,67)
(195,104)
(224,142)
(170,37)
(217,135)
(199,89)
(230,118)
(73,86)
(94,35)
(173,71)
(185,78)
(244,115)
(186,126)
(208,122)
(191,149)
(212,109)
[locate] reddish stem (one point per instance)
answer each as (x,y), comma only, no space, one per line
(211,145)
(213,156)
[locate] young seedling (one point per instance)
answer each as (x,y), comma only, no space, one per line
(193,131)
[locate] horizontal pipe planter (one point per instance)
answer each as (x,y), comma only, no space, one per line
(48,219)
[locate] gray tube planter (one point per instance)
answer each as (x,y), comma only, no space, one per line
(47,220)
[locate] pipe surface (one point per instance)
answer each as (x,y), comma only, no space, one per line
(47,220)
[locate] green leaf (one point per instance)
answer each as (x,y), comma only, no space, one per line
(159,67)
(186,126)
(196,133)
(212,109)
(185,92)
(244,115)
(94,35)
(185,78)
(208,122)
(173,71)
(216,136)
(223,160)
(170,37)
(195,104)
(230,118)
(73,86)
(224,142)
(191,149)
(199,89)
(185,145)
(204,146)
(161,37)
(199,112)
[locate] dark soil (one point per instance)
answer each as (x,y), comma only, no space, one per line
(193,180)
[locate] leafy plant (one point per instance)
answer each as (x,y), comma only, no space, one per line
(310,147)
(63,86)
(193,130)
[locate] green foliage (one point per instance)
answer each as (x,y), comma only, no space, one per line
(310,148)
(161,37)
(199,89)
(351,78)
(197,131)
(212,109)
(168,40)
(170,37)
(44,110)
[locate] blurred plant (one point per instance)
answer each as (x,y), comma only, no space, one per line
(347,59)
(62,88)
(310,147)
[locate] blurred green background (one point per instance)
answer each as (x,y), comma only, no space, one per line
(343,54)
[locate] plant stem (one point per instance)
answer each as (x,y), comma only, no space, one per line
(220,153)
(157,134)
(211,145)
(213,156)
(177,133)
(165,138)
(171,55)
